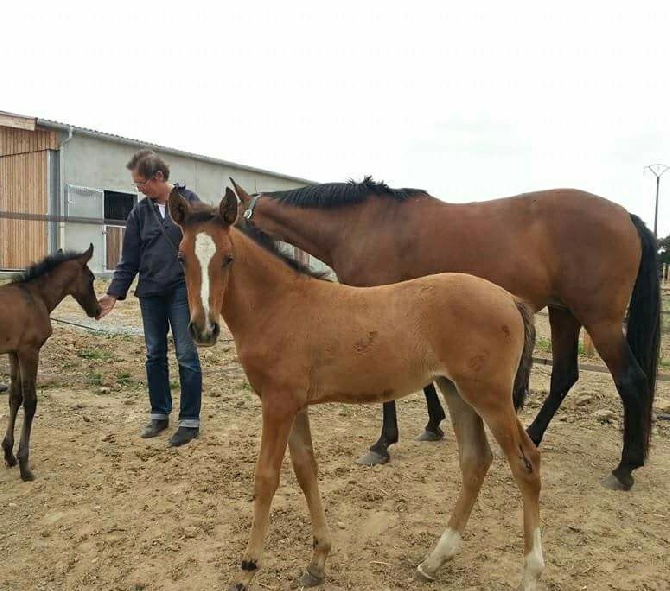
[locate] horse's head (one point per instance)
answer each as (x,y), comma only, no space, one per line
(81,286)
(206,254)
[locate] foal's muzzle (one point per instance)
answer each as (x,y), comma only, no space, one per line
(204,337)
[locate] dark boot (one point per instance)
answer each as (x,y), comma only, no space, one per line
(183,435)
(155,427)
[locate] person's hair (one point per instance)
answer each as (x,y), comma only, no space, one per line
(147,163)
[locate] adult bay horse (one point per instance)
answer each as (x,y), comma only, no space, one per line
(25,324)
(302,341)
(582,256)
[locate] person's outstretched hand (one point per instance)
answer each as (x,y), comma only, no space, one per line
(107,303)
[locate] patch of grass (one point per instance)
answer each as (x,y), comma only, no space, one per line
(95,379)
(544,345)
(125,379)
(95,354)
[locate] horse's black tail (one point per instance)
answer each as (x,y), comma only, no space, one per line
(643,331)
(522,379)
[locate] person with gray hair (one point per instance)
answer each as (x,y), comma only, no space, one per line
(150,248)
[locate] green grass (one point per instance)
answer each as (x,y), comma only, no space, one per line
(125,379)
(95,379)
(544,345)
(95,354)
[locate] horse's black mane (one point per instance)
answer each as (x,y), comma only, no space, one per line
(204,214)
(44,266)
(331,195)
(272,246)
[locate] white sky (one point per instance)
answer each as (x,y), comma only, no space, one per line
(469,102)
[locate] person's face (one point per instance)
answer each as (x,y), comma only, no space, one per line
(148,186)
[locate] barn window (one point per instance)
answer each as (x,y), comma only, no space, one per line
(118,205)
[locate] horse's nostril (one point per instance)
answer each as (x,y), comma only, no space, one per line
(216,329)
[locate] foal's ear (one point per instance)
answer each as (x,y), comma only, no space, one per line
(241,193)
(178,207)
(86,256)
(228,207)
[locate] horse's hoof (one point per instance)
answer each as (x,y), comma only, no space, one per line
(237,587)
(431,436)
(27,476)
(307,580)
(613,483)
(420,575)
(534,437)
(372,458)
(11,461)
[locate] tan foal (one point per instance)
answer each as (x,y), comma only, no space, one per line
(305,341)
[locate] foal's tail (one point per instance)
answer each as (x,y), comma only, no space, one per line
(643,331)
(522,379)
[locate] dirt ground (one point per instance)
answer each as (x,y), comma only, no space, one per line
(111,511)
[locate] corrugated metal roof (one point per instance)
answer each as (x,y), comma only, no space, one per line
(57,125)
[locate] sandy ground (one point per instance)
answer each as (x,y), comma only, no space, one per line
(111,511)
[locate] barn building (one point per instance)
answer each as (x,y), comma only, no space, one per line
(63,186)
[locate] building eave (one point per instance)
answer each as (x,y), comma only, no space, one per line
(55,125)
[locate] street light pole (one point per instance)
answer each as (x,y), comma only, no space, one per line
(658,170)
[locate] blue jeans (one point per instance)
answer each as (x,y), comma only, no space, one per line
(157,313)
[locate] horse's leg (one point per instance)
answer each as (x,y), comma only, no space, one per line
(15,400)
(379,452)
(435,415)
(277,422)
(632,385)
(565,372)
(28,362)
(475,458)
(305,468)
(524,459)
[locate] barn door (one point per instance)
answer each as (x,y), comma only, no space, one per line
(82,202)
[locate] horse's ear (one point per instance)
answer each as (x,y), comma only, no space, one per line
(228,207)
(241,193)
(86,256)
(178,207)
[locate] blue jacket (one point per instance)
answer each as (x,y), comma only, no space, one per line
(147,251)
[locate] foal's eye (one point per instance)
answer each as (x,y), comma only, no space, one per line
(227,260)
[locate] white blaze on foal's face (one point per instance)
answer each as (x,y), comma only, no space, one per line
(205,249)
